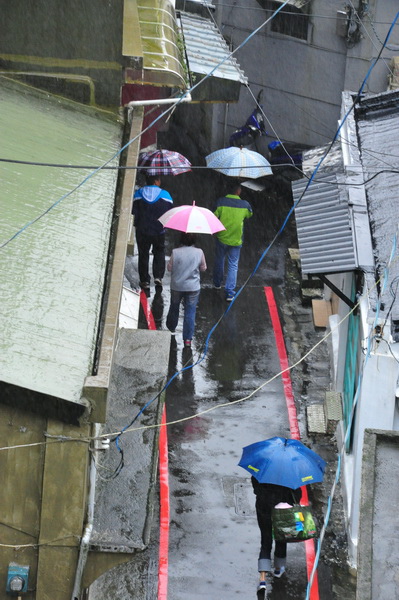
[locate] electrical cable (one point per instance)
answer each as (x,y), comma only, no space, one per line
(199,167)
(313,15)
(216,324)
(361,24)
(160,116)
(264,254)
(227,404)
(260,387)
(372,24)
(352,413)
(64,439)
(355,400)
(40,544)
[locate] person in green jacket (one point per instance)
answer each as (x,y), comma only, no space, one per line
(232,211)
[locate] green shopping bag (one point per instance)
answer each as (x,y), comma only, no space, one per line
(293,524)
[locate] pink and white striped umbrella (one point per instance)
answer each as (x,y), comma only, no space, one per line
(191,219)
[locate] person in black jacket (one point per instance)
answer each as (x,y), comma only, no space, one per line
(267,496)
(149,203)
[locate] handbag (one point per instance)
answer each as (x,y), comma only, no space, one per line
(293,523)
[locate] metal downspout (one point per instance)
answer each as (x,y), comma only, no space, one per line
(186,98)
(85,541)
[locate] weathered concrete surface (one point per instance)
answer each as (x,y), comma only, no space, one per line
(74,39)
(122,506)
(378,547)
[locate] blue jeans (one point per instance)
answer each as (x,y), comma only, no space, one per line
(190,301)
(233,255)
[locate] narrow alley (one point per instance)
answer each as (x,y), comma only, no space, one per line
(214,538)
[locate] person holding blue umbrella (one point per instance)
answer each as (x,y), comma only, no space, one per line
(279,467)
(267,496)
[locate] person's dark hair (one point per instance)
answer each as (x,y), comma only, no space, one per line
(187,239)
(151,179)
(234,187)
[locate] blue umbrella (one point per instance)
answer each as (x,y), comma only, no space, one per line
(283,461)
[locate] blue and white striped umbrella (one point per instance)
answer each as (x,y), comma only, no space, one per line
(239,162)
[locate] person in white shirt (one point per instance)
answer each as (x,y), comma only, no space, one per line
(185,266)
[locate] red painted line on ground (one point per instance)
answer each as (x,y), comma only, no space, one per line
(293,421)
(282,354)
(164,506)
(147,310)
(164,518)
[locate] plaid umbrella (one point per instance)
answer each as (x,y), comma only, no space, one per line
(164,162)
(239,162)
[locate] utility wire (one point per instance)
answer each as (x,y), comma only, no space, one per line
(199,167)
(287,11)
(264,254)
(160,116)
(262,257)
(361,24)
(349,427)
(350,422)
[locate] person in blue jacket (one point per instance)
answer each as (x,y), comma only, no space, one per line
(149,203)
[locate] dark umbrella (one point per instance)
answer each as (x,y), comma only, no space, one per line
(164,162)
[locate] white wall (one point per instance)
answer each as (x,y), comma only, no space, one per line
(339,327)
(375,410)
(376,406)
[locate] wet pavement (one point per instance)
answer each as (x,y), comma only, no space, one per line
(214,537)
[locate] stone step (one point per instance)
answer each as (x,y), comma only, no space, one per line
(316,419)
(332,410)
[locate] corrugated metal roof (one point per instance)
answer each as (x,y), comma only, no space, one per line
(206,48)
(377,121)
(324,227)
(52,274)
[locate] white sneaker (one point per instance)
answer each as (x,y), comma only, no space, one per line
(264,587)
(279,572)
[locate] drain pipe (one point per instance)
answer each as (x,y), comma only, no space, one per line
(133,103)
(85,541)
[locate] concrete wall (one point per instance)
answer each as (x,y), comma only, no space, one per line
(339,326)
(65,38)
(375,408)
(378,551)
(375,26)
(42,500)
(302,80)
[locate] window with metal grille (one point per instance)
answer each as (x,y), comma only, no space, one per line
(291,20)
